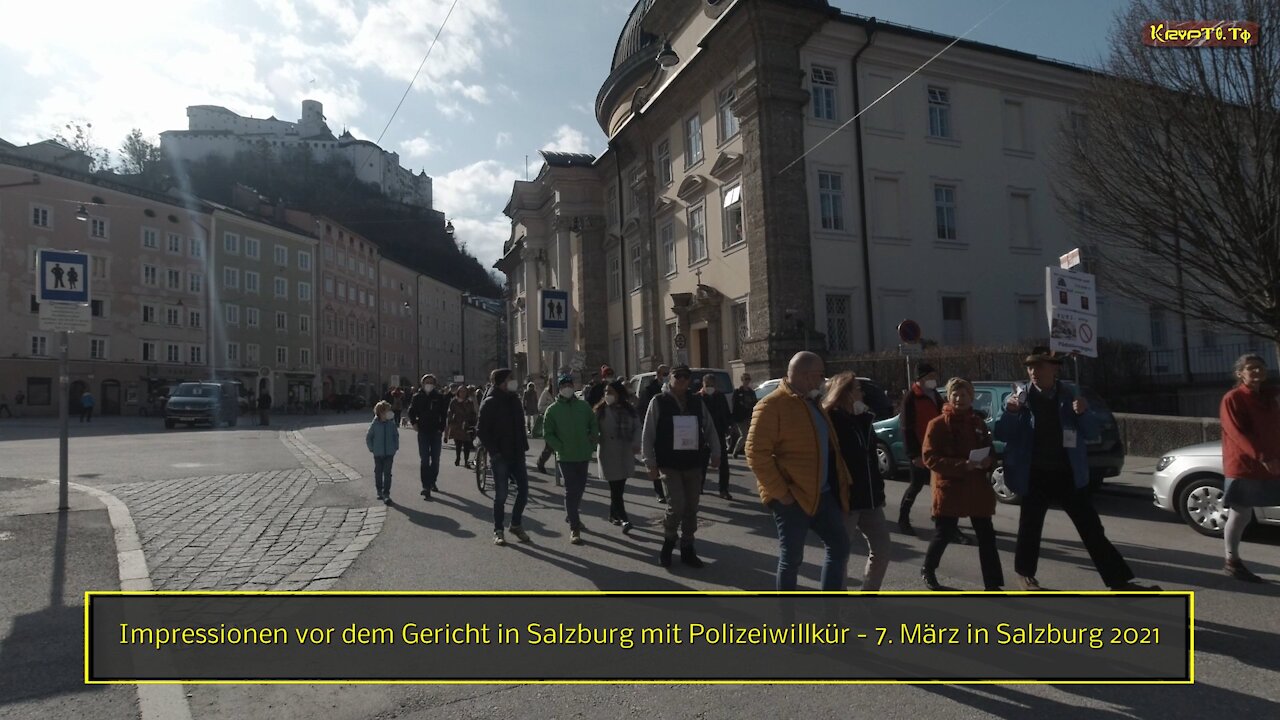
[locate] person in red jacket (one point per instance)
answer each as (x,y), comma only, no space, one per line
(1250,415)
(920,406)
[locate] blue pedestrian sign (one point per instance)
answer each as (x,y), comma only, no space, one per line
(553,306)
(64,277)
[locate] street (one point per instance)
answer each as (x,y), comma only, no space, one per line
(292,507)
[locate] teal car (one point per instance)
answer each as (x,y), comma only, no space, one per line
(1106,455)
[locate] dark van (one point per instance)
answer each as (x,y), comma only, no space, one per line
(203,402)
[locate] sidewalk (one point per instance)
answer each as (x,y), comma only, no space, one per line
(48,560)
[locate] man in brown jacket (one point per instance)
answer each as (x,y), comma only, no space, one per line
(800,472)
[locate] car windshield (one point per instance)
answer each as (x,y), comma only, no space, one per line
(195,390)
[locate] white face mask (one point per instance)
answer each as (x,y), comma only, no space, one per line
(384,416)
(610,399)
(607,379)
(566,392)
(859,407)
(709,390)
(428,387)
(815,393)
(931,384)
(513,385)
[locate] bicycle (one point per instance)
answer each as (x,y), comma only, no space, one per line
(482,468)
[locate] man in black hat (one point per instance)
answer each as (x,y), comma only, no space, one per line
(1046,427)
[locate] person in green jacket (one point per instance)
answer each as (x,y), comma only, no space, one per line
(571,430)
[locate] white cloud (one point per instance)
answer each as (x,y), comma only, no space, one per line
(418,147)
(473,197)
(502,140)
(568,139)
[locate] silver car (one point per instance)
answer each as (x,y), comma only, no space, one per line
(1188,481)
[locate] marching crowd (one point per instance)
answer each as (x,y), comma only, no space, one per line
(811,447)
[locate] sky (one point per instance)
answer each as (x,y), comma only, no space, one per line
(506,79)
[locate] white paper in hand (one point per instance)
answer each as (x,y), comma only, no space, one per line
(979,455)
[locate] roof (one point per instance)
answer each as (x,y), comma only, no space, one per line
(115,184)
(633,38)
(564,159)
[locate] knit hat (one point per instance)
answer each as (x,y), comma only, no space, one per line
(565,380)
(924,368)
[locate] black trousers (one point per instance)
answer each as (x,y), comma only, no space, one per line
(1057,487)
(724,467)
(919,480)
(945,529)
(617,507)
(461,449)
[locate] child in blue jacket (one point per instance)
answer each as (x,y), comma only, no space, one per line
(383,440)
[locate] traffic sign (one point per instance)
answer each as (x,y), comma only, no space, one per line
(909,332)
(64,276)
(553,320)
(680,341)
(1072,302)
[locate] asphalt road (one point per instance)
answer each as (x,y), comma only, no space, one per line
(446,544)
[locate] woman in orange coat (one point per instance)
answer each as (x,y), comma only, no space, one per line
(960,484)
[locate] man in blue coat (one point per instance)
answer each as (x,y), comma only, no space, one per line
(1046,430)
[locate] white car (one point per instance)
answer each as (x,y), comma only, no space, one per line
(1188,481)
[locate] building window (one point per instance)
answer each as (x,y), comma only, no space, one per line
(195,354)
(282,256)
(672,332)
(1015,131)
(342,289)
(173,316)
(615,277)
(944,208)
(831,200)
(304,260)
(150,239)
(1079,127)
(362,298)
(175,244)
(740,329)
(725,119)
(251,317)
(98,228)
(231,313)
(252,248)
(150,275)
(637,266)
(304,324)
(692,141)
(231,243)
(732,221)
(328,354)
(197,248)
(231,278)
(1159,330)
(98,308)
(665,173)
(838,334)
(149,314)
(697,234)
(40,216)
(824,92)
(282,356)
(304,357)
(195,282)
(233,352)
(98,267)
(954,322)
(328,286)
(667,235)
(282,288)
(1020,235)
(40,345)
(304,291)
(251,353)
(172,353)
(282,321)
(611,205)
(939,112)
(34,307)
(195,319)
(173,279)
(639,342)
(149,353)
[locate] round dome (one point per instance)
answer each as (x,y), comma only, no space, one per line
(633,38)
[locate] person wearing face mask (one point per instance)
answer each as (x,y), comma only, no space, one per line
(652,389)
(851,419)
(619,443)
(920,406)
(571,430)
(428,411)
(800,472)
(383,441)
(677,440)
(460,424)
(718,406)
(595,392)
(502,432)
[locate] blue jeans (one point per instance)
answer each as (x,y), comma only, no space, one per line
(429,452)
(503,473)
(382,474)
(575,484)
(794,526)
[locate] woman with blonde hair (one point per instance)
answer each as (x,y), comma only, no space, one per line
(852,418)
(958,451)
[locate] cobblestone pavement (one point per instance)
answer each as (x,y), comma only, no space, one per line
(248,531)
(324,466)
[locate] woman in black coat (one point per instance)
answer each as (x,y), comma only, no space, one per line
(851,419)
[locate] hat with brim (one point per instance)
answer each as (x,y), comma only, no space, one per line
(1041,354)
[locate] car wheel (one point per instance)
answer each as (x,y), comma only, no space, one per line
(884,461)
(1003,493)
(1200,505)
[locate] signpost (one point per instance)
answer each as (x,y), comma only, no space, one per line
(62,284)
(553,320)
(909,336)
(1072,303)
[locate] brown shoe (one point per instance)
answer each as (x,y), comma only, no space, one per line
(1236,569)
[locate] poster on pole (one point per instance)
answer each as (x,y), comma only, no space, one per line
(1071,299)
(553,320)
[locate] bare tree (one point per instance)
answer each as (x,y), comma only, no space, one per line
(1174,168)
(79,137)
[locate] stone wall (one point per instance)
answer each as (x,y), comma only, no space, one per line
(1156,435)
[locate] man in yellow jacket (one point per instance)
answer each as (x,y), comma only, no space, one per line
(800,473)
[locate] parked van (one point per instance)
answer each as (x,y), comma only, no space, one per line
(203,402)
